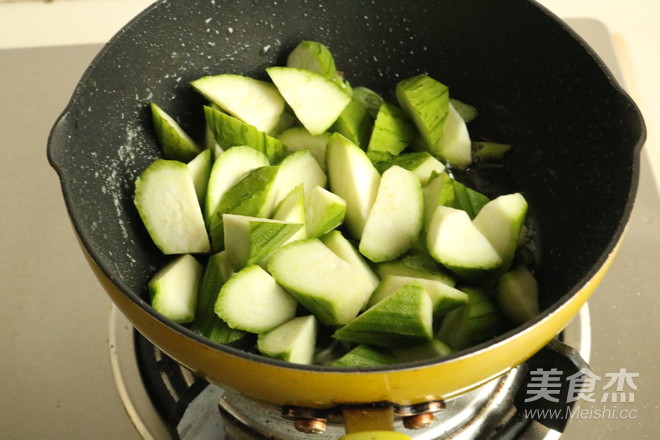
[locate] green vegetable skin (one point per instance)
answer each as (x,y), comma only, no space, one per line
(403,319)
(475,322)
(251,195)
(327,222)
(365,356)
(174,141)
(250,240)
(354,123)
(443,297)
(218,270)
(230,132)
(392,131)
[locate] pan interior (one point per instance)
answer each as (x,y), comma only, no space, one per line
(572,130)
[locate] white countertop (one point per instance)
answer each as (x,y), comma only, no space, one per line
(633,24)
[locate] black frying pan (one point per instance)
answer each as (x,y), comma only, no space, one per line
(576,139)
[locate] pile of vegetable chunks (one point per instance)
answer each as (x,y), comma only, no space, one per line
(319,223)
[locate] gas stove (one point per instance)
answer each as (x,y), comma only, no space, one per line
(73,367)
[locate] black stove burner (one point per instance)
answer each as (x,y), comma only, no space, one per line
(171,391)
(188,404)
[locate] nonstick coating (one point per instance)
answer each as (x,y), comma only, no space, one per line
(575,134)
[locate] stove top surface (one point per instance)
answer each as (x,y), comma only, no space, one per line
(56,366)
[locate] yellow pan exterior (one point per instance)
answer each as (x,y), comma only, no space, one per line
(322,389)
